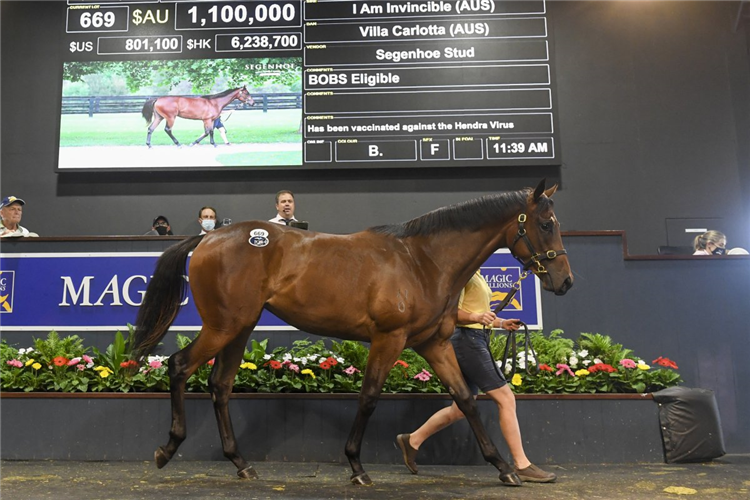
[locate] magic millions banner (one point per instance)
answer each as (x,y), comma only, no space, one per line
(102,291)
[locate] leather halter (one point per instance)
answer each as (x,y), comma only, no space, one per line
(536,258)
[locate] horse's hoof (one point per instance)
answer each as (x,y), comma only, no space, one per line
(160,457)
(247,473)
(511,479)
(361,479)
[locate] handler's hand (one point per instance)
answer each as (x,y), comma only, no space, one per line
(485,318)
(508,324)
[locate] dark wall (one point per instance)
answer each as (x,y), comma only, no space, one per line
(654,112)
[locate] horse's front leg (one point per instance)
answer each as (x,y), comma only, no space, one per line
(441,357)
(220,385)
(384,352)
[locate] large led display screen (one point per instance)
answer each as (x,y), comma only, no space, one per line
(295,84)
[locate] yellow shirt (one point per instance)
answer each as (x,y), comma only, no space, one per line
(475,298)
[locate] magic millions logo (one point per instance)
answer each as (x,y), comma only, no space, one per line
(7,279)
(500,281)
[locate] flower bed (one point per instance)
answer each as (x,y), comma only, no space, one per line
(592,364)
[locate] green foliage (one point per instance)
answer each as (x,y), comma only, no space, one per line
(203,74)
(64,365)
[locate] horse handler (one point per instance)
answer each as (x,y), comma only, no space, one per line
(478,368)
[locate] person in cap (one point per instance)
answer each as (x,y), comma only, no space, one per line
(160,227)
(11,211)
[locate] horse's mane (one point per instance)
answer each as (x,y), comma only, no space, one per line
(469,215)
(220,94)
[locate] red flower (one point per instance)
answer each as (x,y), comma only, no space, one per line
(601,367)
(275,364)
(545,367)
(332,361)
(665,362)
(325,365)
(131,363)
(211,362)
(60,360)
(402,363)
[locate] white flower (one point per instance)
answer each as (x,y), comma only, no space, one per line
(267,357)
(597,361)
(286,356)
(340,360)
(322,359)
(573,361)
(508,365)
(641,362)
(586,362)
(583,353)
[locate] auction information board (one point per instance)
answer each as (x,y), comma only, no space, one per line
(383,83)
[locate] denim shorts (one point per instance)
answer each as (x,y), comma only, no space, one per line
(475,360)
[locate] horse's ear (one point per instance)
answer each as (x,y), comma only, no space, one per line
(539,191)
(551,191)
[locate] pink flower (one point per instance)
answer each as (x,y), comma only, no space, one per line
(293,367)
(81,367)
(562,367)
(351,370)
(15,362)
(155,363)
(286,362)
(74,361)
(87,359)
(627,363)
(423,376)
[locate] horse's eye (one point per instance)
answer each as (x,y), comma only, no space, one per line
(547,226)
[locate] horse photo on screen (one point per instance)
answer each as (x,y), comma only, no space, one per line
(206,108)
(394,286)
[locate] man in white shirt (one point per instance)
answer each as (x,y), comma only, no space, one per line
(11,211)
(284,208)
(207,219)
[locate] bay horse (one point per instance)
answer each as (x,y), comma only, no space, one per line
(394,286)
(207,108)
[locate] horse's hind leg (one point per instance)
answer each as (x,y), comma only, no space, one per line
(220,384)
(182,365)
(168,130)
(155,123)
(384,352)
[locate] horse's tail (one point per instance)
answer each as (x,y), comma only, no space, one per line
(164,294)
(148,110)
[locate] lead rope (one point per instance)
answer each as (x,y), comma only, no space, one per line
(511,346)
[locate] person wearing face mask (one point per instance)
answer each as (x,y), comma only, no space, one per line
(207,219)
(160,227)
(710,243)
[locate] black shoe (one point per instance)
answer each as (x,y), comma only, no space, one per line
(410,454)
(533,474)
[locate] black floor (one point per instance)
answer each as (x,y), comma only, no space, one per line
(725,478)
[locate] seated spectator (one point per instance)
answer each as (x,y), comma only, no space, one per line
(710,243)
(284,208)
(207,219)
(160,227)
(11,211)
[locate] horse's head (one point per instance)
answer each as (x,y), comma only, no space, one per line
(535,240)
(245,97)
